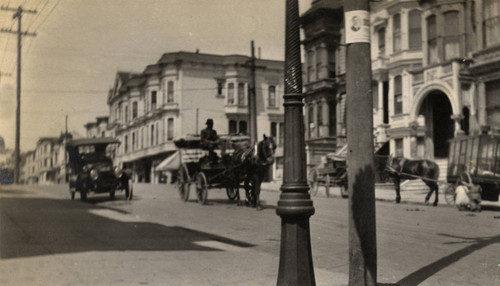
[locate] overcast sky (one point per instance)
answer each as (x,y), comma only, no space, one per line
(70,65)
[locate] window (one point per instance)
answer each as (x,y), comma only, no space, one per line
(331,62)
(142,138)
(152,136)
(415,30)
(134,109)
(381,41)
(332,125)
(432,47)
(133,141)
(310,66)
(491,23)
(233,127)
(153,100)
(398,95)
(241,94)
(220,87)
(170,129)
(272,96)
(157,135)
(399,148)
(243,127)
(125,146)
(320,113)
(451,35)
(311,120)
(396,32)
(126,113)
(274,129)
(170,92)
(281,139)
(230,94)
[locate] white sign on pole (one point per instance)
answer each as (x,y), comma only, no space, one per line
(357,26)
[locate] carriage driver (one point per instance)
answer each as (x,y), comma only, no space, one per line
(210,140)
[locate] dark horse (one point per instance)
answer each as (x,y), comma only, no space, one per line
(252,164)
(406,169)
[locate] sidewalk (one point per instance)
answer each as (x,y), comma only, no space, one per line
(386,193)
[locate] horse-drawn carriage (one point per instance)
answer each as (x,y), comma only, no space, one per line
(474,160)
(333,170)
(236,165)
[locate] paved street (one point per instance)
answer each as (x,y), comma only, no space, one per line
(156,239)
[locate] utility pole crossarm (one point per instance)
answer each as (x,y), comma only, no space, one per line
(25,33)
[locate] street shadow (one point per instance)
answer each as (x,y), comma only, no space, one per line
(424,273)
(39,226)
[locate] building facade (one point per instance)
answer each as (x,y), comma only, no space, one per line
(435,72)
(97,129)
(174,98)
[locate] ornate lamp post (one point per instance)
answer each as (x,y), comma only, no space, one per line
(295,206)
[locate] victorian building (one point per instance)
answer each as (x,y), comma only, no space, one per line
(47,163)
(435,73)
(174,98)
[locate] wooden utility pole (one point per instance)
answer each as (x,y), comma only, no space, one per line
(252,100)
(295,206)
(360,171)
(19,13)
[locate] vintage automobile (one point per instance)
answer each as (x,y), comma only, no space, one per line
(91,168)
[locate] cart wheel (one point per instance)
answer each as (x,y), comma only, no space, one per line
(313,179)
(327,185)
(449,194)
(232,193)
(201,188)
(183,183)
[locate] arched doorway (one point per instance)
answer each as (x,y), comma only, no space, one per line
(437,110)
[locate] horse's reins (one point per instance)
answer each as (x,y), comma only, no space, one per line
(392,170)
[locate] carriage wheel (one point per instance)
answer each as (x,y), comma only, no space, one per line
(327,185)
(201,188)
(232,193)
(449,194)
(183,183)
(313,179)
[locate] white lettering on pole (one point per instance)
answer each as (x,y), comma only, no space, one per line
(357,25)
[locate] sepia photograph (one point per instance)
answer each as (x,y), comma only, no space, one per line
(232,142)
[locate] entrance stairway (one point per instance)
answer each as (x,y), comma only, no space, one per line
(419,185)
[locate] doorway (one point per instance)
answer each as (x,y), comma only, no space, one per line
(437,110)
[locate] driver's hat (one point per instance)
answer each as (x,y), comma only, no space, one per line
(209,121)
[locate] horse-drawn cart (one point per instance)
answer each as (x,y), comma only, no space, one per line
(474,160)
(198,168)
(333,170)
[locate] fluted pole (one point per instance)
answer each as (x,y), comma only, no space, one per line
(295,206)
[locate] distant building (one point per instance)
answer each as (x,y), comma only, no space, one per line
(175,97)
(98,128)
(47,163)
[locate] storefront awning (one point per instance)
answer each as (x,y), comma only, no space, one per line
(171,163)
